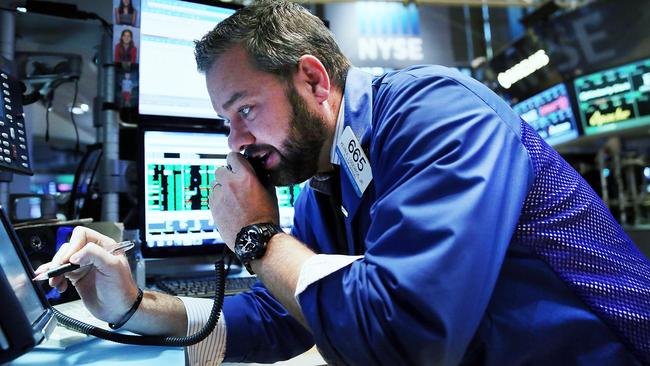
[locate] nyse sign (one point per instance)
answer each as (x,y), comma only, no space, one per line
(390,48)
(391,35)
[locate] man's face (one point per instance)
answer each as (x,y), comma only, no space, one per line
(268,118)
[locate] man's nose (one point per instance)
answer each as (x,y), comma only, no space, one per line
(239,137)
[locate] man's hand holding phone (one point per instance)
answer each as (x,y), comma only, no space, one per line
(238,199)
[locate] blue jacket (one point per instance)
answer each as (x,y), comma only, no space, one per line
(479,245)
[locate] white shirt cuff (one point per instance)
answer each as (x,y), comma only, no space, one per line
(320,266)
(211,351)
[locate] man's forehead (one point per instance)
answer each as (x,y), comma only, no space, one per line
(233,76)
(225,89)
(231,70)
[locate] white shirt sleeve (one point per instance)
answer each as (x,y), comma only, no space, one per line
(211,351)
(320,266)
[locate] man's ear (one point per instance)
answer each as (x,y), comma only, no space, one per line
(312,78)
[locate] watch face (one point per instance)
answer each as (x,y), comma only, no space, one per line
(252,240)
(249,240)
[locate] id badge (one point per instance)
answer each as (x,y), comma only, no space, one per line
(354,161)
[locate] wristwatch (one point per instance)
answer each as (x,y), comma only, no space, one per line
(252,240)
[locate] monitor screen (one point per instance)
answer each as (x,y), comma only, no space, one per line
(614,99)
(17,270)
(170,84)
(18,278)
(549,113)
(178,167)
(26,318)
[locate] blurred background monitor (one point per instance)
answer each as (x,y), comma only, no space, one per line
(549,112)
(614,99)
(170,84)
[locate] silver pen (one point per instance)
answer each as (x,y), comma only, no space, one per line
(120,248)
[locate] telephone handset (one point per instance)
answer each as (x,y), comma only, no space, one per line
(257,164)
(14,153)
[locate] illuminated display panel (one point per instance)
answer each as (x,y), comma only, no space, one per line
(614,99)
(549,113)
(179,167)
(170,84)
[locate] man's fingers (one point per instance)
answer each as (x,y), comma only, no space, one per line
(60,254)
(62,286)
(56,261)
(43,268)
(237,162)
(215,184)
(77,275)
(93,254)
(82,235)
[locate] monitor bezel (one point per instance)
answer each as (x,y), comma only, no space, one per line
(174,251)
(44,325)
(154,118)
(626,131)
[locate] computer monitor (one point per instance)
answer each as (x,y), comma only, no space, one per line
(170,84)
(614,99)
(26,318)
(549,112)
(177,165)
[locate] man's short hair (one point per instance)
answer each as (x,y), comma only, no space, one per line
(275,33)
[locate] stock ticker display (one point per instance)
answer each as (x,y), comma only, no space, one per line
(614,99)
(549,113)
(179,187)
(187,187)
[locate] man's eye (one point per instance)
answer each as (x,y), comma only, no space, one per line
(244,111)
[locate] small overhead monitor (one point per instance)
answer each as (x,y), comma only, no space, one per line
(177,166)
(615,99)
(549,112)
(170,84)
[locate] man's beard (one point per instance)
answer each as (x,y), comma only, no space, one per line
(301,150)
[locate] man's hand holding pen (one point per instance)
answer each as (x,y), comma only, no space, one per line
(103,281)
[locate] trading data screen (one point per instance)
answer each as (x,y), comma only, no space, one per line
(614,99)
(170,84)
(549,113)
(179,167)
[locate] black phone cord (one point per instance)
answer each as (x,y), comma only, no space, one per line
(147,340)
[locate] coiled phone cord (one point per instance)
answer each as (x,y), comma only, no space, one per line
(147,340)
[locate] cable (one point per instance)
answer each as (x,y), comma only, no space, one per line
(87,168)
(78,326)
(89,189)
(228,265)
(47,119)
(74,123)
